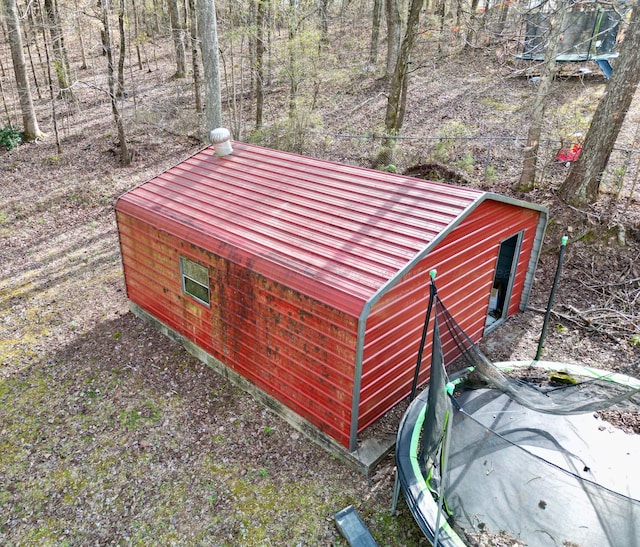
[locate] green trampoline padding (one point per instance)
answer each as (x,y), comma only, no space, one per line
(542,478)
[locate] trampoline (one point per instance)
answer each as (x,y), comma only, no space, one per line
(516,449)
(587,35)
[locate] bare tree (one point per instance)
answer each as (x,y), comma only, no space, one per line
(250,23)
(471,30)
(582,184)
(46,37)
(177,31)
(4,98)
(440,10)
(57,45)
(261,12)
(394,34)
(398,86)
(195,55)
(29,121)
(125,156)
(399,81)
(293,66)
(30,29)
(208,28)
(323,8)
(375,31)
(79,34)
(136,33)
(528,174)
(123,47)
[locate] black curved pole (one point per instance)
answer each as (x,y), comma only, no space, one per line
(547,315)
(432,293)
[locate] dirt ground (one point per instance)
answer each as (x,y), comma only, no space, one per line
(110,434)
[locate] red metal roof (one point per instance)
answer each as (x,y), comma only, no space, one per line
(301,221)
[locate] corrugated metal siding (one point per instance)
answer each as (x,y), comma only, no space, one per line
(328,230)
(293,347)
(465,261)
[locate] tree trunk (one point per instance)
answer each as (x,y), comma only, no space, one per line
(57,45)
(397,86)
(4,98)
(79,33)
(375,31)
(195,55)
(396,103)
(150,17)
(121,56)
(293,70)
(52,98)
(394,29)
(324,22)
(471,31)
(269,26)
(29,121)
(582,185)
(441,11)
(136,33)
(211,63)
(260,22)
(31,29)
(125,157)
(177,31)
(528,174)
(502,20)
(253,30)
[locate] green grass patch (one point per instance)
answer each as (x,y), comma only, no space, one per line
(10,138)
(494,104)
(135,418)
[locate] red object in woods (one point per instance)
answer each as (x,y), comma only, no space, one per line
(570,153)
(310,278)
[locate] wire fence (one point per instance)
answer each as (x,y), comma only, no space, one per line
(460,157)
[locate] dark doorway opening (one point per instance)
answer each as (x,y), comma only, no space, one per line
(506,266)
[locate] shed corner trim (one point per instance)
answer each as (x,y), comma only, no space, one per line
(366,309)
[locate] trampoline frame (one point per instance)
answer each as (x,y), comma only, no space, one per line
(411,481)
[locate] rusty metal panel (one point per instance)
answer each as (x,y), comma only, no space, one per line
(293,347)
(465,261)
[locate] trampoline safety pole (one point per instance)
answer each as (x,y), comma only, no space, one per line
(396,495)
(414,386)
(547,315)
(444,469)
(423,339)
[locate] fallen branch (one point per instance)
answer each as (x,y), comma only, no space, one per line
(581,322)
(557,315)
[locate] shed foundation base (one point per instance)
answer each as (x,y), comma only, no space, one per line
(366,456)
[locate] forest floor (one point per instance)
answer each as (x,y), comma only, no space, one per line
(112,434)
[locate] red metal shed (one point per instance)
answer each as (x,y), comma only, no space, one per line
(310,279)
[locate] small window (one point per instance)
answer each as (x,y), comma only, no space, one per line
(195,280)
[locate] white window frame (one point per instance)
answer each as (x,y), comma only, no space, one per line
(188,268)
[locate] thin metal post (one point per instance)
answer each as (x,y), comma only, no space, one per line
(432,293)
(396,494)
(444,469)
(414,387)
(547,315)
